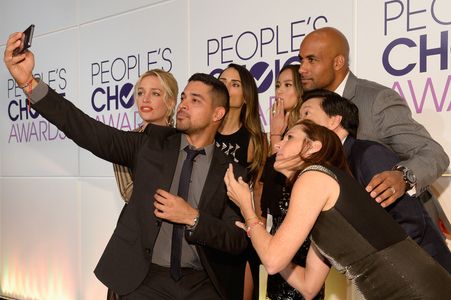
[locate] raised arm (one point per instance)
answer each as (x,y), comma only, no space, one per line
(102,140)
(306,203)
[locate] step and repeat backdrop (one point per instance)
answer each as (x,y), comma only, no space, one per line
(59,203)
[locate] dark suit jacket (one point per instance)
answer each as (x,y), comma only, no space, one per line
(152,157)
(368,158)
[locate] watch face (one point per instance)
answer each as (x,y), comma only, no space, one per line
(410,177)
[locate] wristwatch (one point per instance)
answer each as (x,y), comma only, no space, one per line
(407,175)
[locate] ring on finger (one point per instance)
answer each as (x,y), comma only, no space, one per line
(393,190)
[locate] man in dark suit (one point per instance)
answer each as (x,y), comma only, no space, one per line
(137,261)
(368,158)
(384,118)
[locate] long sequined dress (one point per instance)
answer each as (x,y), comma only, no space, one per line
(275,200)
(362,241)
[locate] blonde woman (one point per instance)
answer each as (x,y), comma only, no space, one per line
(155,95)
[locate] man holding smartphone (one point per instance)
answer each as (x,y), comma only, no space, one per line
(138,261)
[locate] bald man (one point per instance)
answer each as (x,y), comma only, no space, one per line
(384,118)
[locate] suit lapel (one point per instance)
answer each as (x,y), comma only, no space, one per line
(171,148)
(215,177)
(349,91)
(347,146)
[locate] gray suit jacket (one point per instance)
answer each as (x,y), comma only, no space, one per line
(386,118)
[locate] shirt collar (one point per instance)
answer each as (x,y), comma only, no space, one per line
(208,149)
(341,88)
(344,140)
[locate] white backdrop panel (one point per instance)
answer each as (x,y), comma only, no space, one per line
(155,37)
(100,208)
(31,146)
(47,15)
(406,46)
(93,10)
(410,52)
(1,227)
(40,245)
(263,35)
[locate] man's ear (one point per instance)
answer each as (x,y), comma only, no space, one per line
(335,122)
(219,113)
(339,62)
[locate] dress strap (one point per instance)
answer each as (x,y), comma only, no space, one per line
(321,169)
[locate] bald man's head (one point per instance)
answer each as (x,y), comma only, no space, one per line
(324,55)
(335,40)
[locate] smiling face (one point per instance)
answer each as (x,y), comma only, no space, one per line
(150,101)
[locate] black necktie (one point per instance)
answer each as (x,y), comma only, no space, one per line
(178,229)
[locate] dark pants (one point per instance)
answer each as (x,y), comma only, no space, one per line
(159,285)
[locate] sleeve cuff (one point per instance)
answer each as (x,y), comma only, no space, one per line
(39,92)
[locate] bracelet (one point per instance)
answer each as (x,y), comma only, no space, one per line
(27,83)
(195,222)
(250,226)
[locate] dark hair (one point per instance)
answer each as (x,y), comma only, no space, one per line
(335,105)
(331,153)
(219,92)
(294,114)
(250,118)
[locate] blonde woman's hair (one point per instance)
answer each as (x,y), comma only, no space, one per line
(170,87)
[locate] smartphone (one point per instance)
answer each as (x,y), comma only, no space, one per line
(26,41)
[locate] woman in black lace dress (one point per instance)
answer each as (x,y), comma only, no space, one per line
(276,192)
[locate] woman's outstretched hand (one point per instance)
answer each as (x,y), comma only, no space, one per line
(239,192)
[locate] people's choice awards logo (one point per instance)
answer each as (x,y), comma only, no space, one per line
(112,83)
(264,52)
(423,49)
(26,124)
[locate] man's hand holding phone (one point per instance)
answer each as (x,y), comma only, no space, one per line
(26,40)
(20,65)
